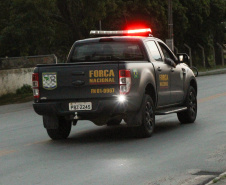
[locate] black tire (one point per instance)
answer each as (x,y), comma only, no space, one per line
(189,116)
(62,132)
(147,126)
(114,122)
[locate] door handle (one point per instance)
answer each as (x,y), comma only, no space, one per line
(159,69)
(78,83)
(78,73)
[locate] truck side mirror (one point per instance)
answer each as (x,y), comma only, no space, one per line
(170,62)
(183,58)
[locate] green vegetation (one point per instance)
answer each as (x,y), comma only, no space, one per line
(22,94)
(51,26)
(219,179)
(25,89)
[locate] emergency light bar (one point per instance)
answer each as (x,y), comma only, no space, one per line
(137,32)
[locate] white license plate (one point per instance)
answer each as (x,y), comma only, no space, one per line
(80,106)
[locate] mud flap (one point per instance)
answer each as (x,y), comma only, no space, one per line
(135,118)
(50,122)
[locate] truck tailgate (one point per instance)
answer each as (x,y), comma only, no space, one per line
(78,81)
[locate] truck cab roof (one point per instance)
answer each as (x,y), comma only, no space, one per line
(116,38)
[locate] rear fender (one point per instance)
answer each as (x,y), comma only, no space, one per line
(148,78)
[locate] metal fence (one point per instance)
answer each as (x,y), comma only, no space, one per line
(203,56)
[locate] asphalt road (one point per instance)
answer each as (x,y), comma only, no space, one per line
(176,154)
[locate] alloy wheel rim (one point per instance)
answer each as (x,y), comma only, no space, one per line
(192,104)
(149,118)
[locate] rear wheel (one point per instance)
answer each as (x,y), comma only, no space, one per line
(189,116)
(63,130)
(147,126)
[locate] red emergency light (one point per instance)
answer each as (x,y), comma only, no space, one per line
(135,32)
(146,30)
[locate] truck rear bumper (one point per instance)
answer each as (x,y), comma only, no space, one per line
(100,107)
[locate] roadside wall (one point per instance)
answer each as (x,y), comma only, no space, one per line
(13,79)
(15,72)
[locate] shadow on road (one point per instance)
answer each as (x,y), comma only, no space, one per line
(164,127)
(115,134)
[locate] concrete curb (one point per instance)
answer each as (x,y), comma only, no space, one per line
(212,72)
(217,179)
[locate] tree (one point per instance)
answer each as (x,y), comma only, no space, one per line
(80,16)
(51,26)
(138,13)
(29,30)
(199,22)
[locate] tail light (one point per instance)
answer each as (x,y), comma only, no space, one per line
(124,81)
(35,84)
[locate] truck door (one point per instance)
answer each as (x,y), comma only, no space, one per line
(162,75)
(177,77)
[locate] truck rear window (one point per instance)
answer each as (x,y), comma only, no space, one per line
(107,51)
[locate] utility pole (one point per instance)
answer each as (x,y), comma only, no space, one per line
(170,20)
(100,25)
(169,41)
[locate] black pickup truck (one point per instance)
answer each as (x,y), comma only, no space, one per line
(110,78)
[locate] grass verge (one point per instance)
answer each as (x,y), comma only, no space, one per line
(219,179)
